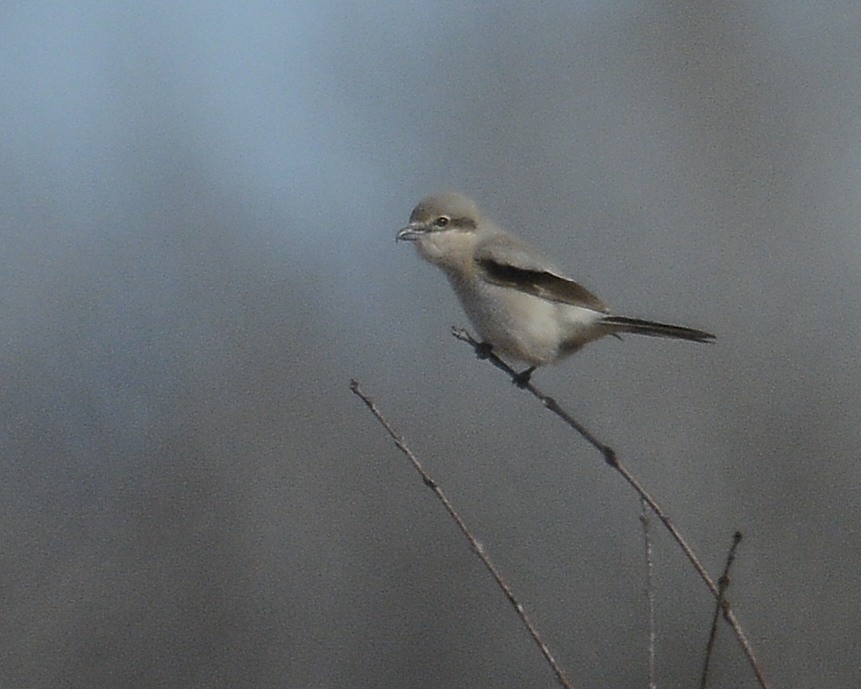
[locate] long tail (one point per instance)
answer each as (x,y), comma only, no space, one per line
(640,327)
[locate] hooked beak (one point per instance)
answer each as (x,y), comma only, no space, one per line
(411,232)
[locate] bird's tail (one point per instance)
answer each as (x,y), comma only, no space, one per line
(623,324)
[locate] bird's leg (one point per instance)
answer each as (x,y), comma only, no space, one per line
(483,350)
(521,379)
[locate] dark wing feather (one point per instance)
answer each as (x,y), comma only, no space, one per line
(504,261)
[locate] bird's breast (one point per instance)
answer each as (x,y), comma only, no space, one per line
(517,325)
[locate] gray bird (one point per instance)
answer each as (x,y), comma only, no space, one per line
(522,307)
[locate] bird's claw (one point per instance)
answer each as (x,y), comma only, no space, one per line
(521,379)
(483,350)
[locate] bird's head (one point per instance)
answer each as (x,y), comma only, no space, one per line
(445,228)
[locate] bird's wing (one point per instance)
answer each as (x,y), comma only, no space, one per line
(505,261)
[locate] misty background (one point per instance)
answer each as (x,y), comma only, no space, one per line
(198,204)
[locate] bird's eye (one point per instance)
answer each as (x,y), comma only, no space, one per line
(441,221)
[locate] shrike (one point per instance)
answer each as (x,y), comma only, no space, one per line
(522,307)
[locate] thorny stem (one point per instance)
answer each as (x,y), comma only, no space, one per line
(650,591)
(477,547)
(611,458)
(723,584)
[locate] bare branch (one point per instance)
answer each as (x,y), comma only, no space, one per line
(650,591)
(721,604)
(473,541)
(484,352)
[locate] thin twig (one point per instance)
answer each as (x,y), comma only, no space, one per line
(483,352)
(721,604)
(476,546)
(650,591)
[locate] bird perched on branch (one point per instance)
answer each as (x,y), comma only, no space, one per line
(522,307)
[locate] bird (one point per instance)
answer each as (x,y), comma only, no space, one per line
(524,309)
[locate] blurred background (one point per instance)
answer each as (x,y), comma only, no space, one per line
(198,204)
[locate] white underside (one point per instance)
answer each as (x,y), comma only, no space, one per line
(526,328)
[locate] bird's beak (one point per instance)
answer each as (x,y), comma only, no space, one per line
(411,232)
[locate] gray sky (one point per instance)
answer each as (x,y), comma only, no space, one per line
(198,205)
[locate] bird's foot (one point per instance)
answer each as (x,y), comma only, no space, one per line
(521,379)
(483,350)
